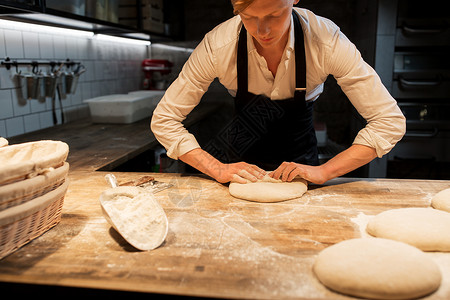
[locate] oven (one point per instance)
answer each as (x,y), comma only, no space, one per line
(421,86)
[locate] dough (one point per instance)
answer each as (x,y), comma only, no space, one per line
(135,215)
(268,189)
(3,142)
(442,200)
(425,228)
(378,269)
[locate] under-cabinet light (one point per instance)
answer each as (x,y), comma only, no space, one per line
(15,25)
(111,38)
(173,48)
(7,24)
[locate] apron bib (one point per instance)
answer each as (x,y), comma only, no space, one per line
(265,132)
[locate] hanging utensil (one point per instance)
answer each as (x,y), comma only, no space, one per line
(50,81)
(72,79)
(33,82)
(22,87)
(61,86)
(42,91)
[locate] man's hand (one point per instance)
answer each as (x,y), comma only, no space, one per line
(240,172)
(287,171)
(348,160)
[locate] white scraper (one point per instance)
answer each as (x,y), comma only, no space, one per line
(135,214)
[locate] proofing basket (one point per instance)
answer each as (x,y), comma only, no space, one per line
(20,192)
(27,160)
(22,223)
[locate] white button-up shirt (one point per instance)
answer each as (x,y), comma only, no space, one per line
(328,52)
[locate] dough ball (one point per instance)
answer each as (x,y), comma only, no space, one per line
(3,142)
(136,215)
(268,189)
(378,269)
(442,200)
(425,228)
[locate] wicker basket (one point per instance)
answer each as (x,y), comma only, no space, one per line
(22,191)
(22,223)
(30,159)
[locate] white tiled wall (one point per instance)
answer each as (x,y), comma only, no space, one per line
(112,67)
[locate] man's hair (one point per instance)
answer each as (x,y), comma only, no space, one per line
(240,5)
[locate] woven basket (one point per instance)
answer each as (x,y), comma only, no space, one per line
(22,191)
(26,160)
(22,223)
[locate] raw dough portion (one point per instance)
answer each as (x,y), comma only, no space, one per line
(442,200)
(135,215)
(268,189)
(425,228)
(3,142)
(378,269)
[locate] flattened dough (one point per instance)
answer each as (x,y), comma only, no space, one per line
(442,200)
(378,269)
(425,228)
(268,189)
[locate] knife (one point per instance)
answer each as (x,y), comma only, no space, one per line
(147,182)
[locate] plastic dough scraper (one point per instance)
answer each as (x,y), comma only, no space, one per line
(135,214)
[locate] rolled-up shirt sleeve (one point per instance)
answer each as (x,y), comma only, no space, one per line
(180,99)
(386,123)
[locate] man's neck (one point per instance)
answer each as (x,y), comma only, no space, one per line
(273,55)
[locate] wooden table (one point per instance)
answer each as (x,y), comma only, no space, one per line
(217,245)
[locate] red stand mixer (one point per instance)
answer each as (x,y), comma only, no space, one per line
(156,73)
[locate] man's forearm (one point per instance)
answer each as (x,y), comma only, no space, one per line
(202,161)
(348,160)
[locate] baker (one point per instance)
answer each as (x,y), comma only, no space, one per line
(273,58)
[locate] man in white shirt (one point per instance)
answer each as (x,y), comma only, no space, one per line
(283,80)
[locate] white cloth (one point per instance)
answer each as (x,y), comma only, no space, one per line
(328,52)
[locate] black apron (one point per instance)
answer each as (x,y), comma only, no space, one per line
(267,132)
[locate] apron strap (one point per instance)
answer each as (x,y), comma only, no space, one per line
(300,59)
(242,62)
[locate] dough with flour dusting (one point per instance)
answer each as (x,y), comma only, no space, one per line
(378,269)
(3,142)
(442,200)
(268,189)
(425,228)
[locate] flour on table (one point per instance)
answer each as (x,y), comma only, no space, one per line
(361,221)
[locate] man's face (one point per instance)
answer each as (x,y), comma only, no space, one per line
(268,21)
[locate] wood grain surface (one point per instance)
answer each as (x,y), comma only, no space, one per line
(217,245)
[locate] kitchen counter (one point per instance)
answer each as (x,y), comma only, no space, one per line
(217,245)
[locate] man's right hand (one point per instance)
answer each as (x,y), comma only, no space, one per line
(240,172)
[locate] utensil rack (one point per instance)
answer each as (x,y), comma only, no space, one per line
(8,63)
